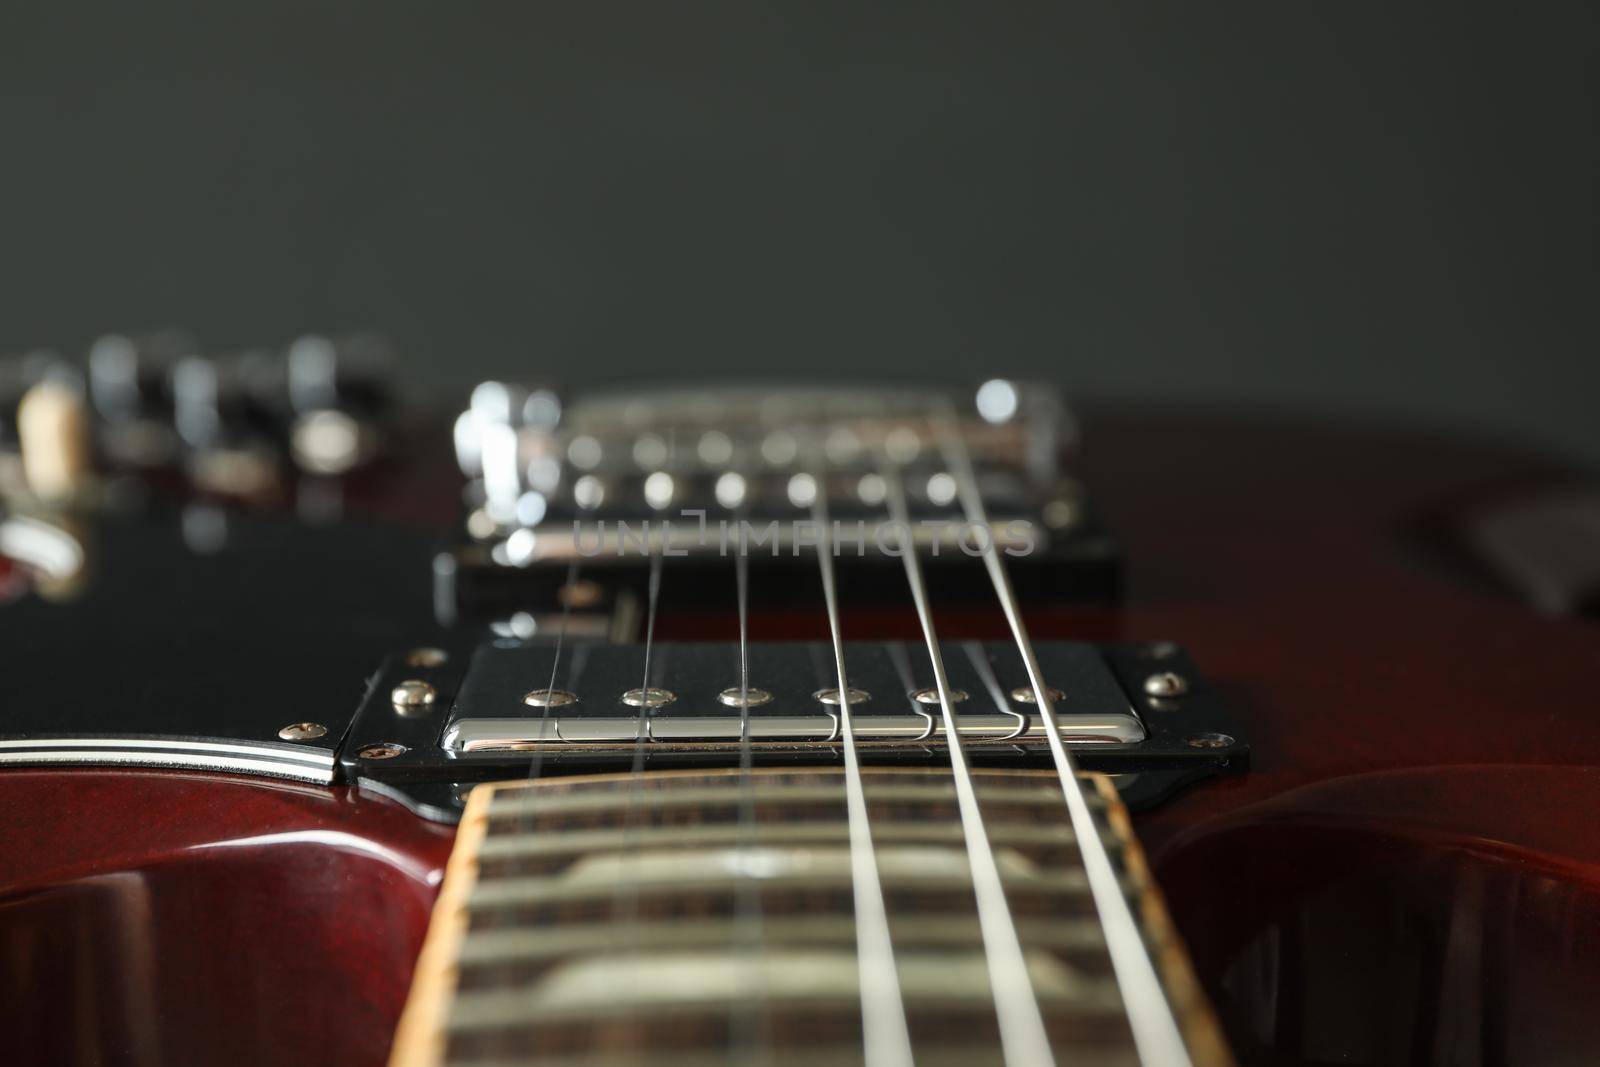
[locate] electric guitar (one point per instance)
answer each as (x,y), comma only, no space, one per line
(788,725)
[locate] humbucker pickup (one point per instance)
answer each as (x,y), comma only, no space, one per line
(513,708)
(694,696)
(607,481)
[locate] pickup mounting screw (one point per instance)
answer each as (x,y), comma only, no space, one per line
(1023,694)
(648,698)
(413,697)
(1166,684)
(752,696)
(427,657)
(931,696)
(549,698)
(303,731)
(387,750)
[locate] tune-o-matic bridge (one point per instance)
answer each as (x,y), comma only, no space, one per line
(432,724)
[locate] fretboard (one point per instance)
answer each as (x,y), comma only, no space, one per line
(692,918)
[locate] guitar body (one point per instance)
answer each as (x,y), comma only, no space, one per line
(1408,872)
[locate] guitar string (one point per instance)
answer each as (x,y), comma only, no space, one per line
(748,1014)
(1023,1039)
(908,684)
(536,766)
(980,664)
(625,897)
(1155,1030)
(885,1030)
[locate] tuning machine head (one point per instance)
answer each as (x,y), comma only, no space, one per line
(339,400)
(130,385)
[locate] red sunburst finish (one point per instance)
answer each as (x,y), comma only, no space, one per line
(1409,872)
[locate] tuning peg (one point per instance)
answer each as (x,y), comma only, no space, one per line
(50,426)
(129,376)
(494,405)
(197,402)
(338,392)
(230,452)
(20,373)
(130,386)
(349,374)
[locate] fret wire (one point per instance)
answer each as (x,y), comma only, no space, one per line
(1155,1030)
(1023,1038)
(654,595)
(885,1030)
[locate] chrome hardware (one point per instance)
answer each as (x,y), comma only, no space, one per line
(549,698)
(492,727)
(303,731)
(1166,684)
(750,696)
(1023,694)
(498,735)
(413,697)
(649,451)
(650,697)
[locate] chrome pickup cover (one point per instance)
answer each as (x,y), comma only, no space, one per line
(792,696)
(1142,713)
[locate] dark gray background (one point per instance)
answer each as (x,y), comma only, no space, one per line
(1359,208)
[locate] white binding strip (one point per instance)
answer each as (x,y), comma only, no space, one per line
(1155,1030)
(308,756)
(1024,1041)
(112,757)
(886,1035)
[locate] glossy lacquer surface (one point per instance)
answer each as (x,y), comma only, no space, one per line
(1409,873)
(162,918)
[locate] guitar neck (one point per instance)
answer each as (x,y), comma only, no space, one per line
(706,917)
